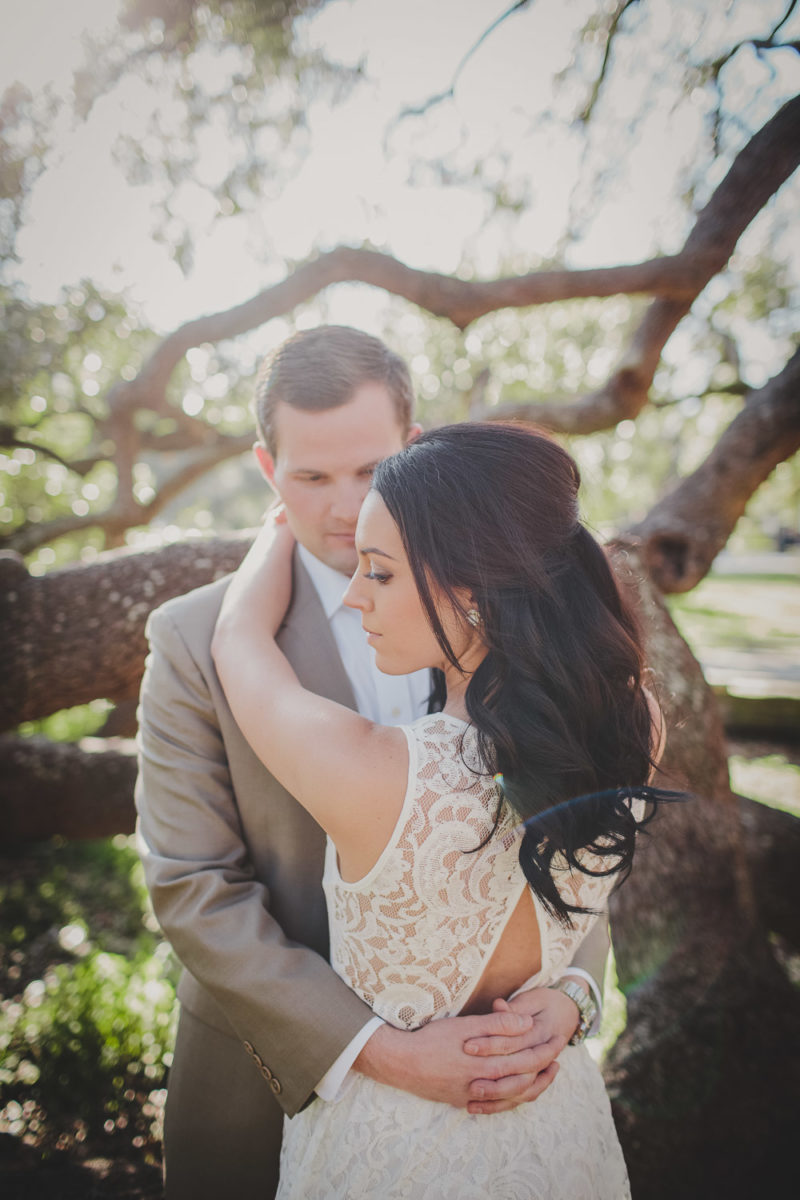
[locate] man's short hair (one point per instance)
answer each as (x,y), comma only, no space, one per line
(321,368)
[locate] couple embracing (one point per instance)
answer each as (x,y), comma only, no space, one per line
(389,775)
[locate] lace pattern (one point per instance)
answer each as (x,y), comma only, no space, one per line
(413,938)
(415,934)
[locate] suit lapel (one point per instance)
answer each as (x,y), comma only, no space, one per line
(307,641)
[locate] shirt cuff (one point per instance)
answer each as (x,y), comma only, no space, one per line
(330,1086)
(597,995)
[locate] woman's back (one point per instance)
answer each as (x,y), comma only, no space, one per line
(445,917)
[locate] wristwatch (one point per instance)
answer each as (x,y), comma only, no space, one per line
(587,1008)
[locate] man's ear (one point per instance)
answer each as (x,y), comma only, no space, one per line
(413,433)
(266,463)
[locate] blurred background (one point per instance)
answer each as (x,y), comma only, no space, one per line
(177,180)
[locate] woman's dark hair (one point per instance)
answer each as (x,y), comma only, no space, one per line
(557,702)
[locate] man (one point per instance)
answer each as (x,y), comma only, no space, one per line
(234,864)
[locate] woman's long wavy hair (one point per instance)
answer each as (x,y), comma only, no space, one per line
(558,702)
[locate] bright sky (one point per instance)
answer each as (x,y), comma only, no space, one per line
(87,221)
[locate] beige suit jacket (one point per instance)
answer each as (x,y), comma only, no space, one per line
(232,861)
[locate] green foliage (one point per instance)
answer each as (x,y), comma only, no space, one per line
(57,363)
(231,72)
(86,1028)
(85,1049)
(70,724)
(24,126)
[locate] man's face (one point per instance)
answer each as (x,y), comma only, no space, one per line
(323,468)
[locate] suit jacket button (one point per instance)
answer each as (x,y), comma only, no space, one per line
(249,1048)
(265,1071)
(275,1085)
(258,1060)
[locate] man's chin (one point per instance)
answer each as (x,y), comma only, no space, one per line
(341,558)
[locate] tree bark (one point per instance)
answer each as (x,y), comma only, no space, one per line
(77,634)
(82,790)
(772,840)
(682,535)
(704,1080)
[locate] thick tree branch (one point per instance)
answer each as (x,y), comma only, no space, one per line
(758,171)
(77,634)
(685,531)
(756,174)
(82,790)
(462,301)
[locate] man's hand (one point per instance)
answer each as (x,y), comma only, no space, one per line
(555,1019)
(438,1061)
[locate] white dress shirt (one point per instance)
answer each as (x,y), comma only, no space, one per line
(385,699)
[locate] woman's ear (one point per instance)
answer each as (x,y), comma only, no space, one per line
(469,607)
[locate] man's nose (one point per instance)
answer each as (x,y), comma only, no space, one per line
(347,500)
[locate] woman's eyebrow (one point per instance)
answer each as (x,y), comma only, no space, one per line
(375,550)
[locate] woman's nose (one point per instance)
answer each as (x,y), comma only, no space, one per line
(354,596)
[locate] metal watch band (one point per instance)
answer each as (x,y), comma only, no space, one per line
(587,1008)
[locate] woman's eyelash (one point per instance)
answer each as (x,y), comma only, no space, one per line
(377,576)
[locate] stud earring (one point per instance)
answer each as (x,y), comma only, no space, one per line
(474,617)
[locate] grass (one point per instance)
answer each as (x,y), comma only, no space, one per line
(759,614)
(772,778)
(743,612)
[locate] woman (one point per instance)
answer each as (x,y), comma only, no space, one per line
(468,853)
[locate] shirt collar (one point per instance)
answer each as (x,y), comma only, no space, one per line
(330,584)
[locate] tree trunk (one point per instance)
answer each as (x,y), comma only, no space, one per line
(772,840)
(704,1080)
(82,790)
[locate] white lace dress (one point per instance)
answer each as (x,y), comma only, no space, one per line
(413,938)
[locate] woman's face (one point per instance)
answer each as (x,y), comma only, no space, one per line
(384,591)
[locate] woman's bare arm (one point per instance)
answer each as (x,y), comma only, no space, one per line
(348,772)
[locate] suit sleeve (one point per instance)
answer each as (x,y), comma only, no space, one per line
(589,961)
(592,953)
(282,999)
